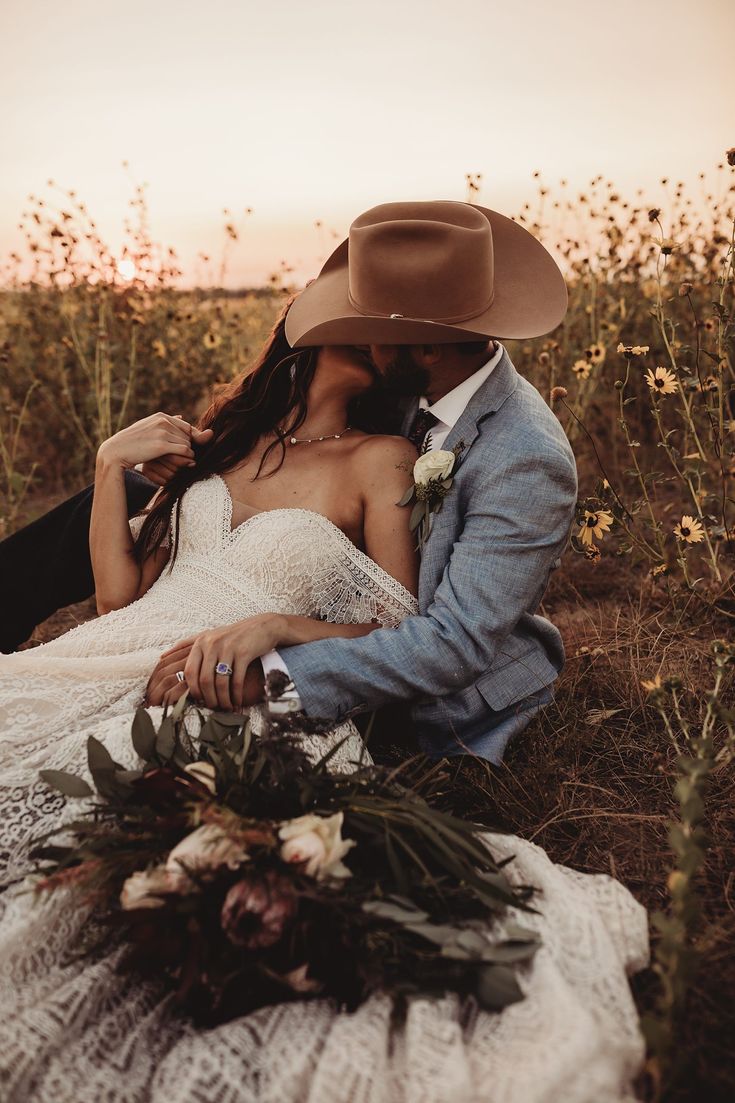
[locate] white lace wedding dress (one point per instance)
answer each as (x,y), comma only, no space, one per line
(77,1031)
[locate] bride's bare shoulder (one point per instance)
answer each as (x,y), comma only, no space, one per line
(385,450)
(384,466)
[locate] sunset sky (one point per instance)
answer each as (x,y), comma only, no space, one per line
(316,111)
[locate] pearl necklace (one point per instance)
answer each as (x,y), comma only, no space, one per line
(313,440)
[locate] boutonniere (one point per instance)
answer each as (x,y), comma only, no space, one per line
(432,481)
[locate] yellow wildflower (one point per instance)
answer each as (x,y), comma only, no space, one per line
(667,245)
(595,353)
(689,530)
(159,348)
(594,525)
(650,686)
(211,340)
(632,350)
(582,369)
(662,381)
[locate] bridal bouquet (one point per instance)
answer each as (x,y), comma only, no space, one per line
(243,874)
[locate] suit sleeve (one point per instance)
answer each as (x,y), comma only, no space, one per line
(516,524)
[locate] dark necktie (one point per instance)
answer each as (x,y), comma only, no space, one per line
(422,423)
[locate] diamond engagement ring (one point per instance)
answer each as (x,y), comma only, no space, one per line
(180,676)
(223,668)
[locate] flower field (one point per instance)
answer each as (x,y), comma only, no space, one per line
(630,770)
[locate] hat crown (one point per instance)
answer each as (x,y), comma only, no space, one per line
(422,260)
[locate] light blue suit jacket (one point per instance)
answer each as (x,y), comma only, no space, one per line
(478,661)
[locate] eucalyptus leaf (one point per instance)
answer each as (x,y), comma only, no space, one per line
(417,514)
(68,784)
(440,934)
(98,756)
(179,708)
(127,776)
(229,719)
(456,952)
(399,914)
(166,739)
(407,497)
(144,735)
(517,933)
(509,952)
(497,987)
(473,942)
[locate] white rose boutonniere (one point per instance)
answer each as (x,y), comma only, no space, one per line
(432,481)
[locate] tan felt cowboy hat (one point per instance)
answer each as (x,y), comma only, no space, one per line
(430,272)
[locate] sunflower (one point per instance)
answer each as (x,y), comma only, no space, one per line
(662,381)
(689,530)
(211,340)
(595,353)
(594,525)
(582,369)
(632,350)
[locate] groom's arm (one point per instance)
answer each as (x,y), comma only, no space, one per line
(516,524)
(46,565)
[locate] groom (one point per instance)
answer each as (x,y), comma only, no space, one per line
(426,286)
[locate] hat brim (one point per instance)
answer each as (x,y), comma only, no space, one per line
(530,299)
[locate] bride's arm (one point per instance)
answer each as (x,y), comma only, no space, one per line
(385,467)
(118,577)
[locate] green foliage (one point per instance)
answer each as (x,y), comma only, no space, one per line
(698,754)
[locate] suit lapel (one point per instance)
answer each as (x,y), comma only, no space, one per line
(500,384)
(488,398)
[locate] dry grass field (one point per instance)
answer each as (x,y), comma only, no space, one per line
(630,770)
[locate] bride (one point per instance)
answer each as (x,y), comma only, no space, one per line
(280,523)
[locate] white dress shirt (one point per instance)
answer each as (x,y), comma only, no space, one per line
(448,409)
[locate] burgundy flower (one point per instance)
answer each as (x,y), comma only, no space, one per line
(257,909)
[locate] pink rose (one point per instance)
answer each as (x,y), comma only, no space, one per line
(257,909)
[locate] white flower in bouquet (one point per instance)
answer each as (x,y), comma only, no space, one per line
(207,848)
(437,464)
(203,772)
(317,841)
(144,889)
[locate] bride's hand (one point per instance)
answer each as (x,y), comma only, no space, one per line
(164,688)
(150,438)
(237,645)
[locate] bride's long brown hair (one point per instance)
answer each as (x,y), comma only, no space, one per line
(270,397)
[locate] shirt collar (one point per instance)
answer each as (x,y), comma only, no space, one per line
(452,405)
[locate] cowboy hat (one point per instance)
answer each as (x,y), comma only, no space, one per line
(430,272)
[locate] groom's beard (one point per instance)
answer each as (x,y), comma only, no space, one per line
(404,377)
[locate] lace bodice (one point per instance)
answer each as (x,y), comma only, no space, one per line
(287,560)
